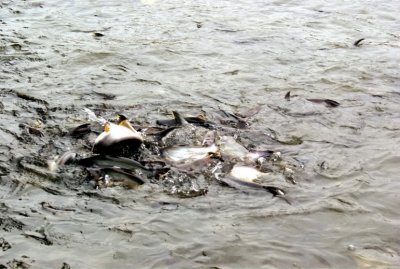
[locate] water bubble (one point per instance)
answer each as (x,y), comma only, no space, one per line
(351,247)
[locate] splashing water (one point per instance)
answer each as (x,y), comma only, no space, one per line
(93,117)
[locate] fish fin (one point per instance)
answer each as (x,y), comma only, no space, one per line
(179,119)
(277,192)
(287,96)
(128,125)
(123,121)
(165,132)
(107,127)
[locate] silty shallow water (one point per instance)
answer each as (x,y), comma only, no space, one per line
(156,57)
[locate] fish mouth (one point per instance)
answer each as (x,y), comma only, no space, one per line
(125,147)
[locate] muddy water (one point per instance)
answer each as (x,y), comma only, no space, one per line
(147,58)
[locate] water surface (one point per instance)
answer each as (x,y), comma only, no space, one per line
(147,58)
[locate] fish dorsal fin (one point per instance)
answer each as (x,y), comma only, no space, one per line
(107,127)
(127,124)
(121,118)
(123,121)
(179,120)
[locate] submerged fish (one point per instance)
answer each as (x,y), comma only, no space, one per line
(376,257)
(103,161)
(118,176)
(187,154)
(327,102)
(230,149)
(198,121)
(184,133)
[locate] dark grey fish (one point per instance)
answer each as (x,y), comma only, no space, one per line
(168,122)
(197,121)
(107,177)
(328,102)
(123,175)
(233,120)
(163,133)
(104,161)
(32,130)
(287,96)
(179,119)
(80,130)
(358,42)
(67,158)
(184,133)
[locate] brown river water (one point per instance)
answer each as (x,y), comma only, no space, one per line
(147,58)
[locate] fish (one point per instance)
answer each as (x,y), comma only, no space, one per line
(127,178)
(104,161)
(109,161)
(184,133)
(118,140)
(246,173)
(188,154)
(66,158)
(327,102)
(358,42)
(179,119)
(197,121)
(80,130)
(231,149)
(287,96)
(242,175)
(233,120)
